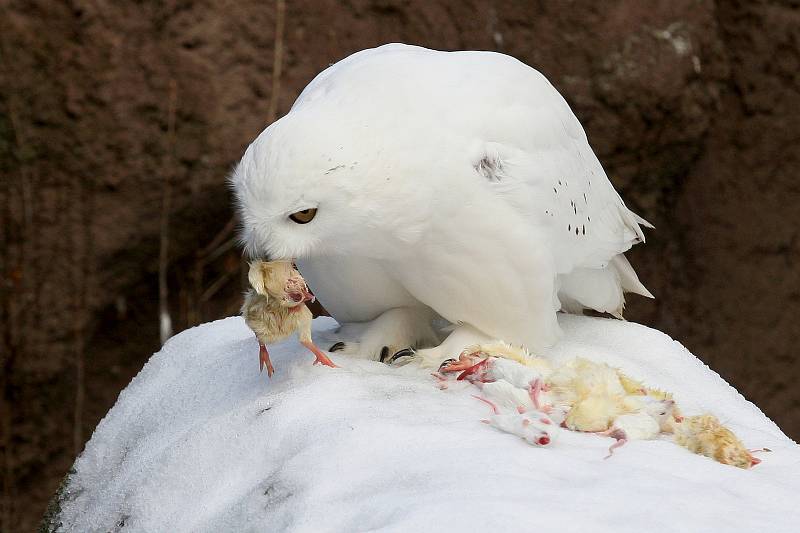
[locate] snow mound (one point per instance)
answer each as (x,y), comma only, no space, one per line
(199,441)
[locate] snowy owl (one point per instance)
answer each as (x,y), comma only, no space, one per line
(414,185)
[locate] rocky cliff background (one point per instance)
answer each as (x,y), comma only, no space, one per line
(120,120)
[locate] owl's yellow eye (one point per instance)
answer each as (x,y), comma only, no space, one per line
(303,217)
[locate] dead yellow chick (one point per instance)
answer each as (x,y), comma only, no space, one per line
(705,435)
(594,413)
(591,392)
(275,308)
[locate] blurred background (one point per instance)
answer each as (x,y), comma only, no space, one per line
(120,120)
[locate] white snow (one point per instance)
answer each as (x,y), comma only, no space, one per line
(199,441)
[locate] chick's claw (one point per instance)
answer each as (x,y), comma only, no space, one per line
(464,362)
(475,373)
(263,360)
(320,357)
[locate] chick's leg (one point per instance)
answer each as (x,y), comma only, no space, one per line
(320,356)
(304,334)
(470,370)
(263,359)
(464,362)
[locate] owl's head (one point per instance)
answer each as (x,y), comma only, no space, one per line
(310,186)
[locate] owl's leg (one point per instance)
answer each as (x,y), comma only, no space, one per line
(394,331)
(455,343)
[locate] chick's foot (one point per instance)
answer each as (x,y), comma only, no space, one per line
(320,356)
(263,360)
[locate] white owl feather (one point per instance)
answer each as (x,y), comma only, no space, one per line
(457,184)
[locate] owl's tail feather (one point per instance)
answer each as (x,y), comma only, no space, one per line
(628,279)
(642,222)
(600,289)
(633,226)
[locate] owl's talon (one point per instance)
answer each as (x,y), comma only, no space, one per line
(338,347)
(384,354)
(405,352)
(446,363)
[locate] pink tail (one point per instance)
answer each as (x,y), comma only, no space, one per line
(489,402)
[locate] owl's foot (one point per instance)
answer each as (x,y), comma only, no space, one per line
(400,358)
(442,357)
(336,347)
(389,337)
(385,356)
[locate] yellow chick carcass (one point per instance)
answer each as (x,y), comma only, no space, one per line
(589,393)
(497,360)
(588,396)
(504,350)
(594,395)
(602,399)
(705,435)
(275,308)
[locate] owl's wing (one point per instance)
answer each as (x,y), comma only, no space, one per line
(550,174)
(499,125)
(517,132)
